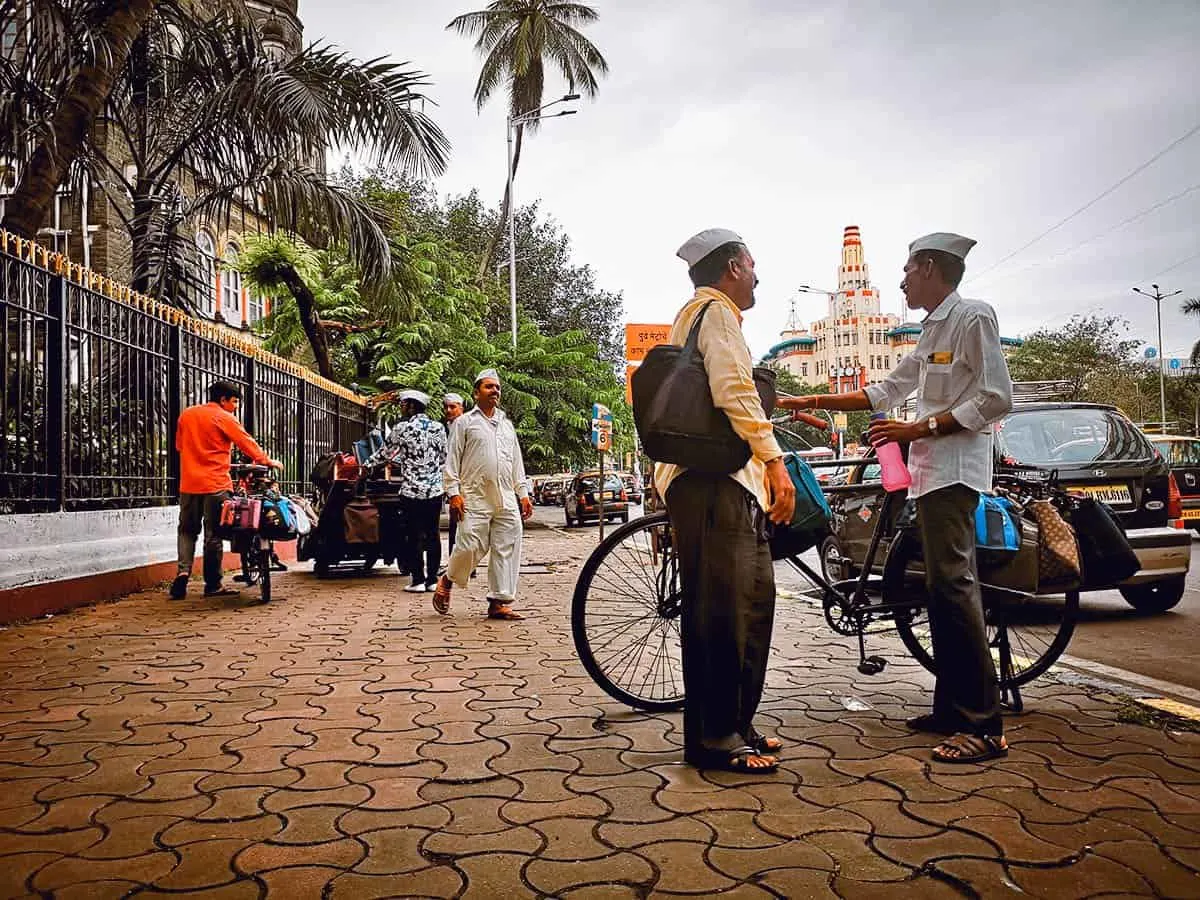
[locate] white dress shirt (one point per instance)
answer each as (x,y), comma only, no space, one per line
(484,461)
(957,367)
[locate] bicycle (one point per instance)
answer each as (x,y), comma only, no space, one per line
(255,550)
(628,599)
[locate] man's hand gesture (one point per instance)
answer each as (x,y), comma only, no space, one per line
(783,492)
(526,509)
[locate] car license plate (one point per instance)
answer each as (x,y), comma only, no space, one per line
(608,495)
(1112,494)
(1191,514)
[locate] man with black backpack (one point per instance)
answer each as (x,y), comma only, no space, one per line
(720,523)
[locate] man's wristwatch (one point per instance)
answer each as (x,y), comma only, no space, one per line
(933,425)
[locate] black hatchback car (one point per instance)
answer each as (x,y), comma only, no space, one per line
(1095,450)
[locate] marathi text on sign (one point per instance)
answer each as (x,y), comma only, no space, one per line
(639,339)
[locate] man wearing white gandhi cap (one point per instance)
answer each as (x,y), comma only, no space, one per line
(719,524)
(417,447)
(485,479)
(963,387)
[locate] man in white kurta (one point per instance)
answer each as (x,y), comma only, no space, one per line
(485,481)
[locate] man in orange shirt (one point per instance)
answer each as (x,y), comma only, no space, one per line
(204,437)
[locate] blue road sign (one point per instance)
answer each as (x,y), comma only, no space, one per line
(1150,353)
(1175,364)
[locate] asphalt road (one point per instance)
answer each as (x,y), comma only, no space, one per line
(1110,631)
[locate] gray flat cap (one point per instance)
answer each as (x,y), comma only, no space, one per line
(700,245)
(954,244)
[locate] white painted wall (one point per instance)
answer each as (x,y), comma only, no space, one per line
(44,547)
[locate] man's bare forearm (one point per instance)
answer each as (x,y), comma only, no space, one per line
(854,401)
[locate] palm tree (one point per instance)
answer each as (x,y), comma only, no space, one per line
(519,39)
(202,121)
(77,47)
(1192,308)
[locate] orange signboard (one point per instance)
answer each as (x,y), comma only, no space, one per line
(640,338)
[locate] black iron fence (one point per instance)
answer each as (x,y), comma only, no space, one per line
(95,377)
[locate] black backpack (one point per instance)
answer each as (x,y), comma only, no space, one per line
(674,412)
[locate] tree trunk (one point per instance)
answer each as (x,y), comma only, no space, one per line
(29,207)
(489,254)
(306,305)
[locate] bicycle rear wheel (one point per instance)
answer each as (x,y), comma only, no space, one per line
(1026,632)
(625,616)
(254,566)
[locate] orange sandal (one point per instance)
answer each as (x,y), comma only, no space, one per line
(441,596)
(502,611)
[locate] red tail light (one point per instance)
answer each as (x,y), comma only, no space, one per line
(1174,502)
(624,497)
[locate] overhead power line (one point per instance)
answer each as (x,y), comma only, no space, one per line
(1128,221)
(1061,222)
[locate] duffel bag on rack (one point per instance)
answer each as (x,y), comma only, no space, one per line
(361,521)
(278,520)
(239,514)
(1103,548)
(1058,550)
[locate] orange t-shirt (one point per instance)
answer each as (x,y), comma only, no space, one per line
(204,437)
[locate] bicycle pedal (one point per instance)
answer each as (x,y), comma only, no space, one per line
(872,665)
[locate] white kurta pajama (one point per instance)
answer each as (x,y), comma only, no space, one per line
(484,466)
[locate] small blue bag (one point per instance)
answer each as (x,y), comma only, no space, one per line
(997,526)
(810,521)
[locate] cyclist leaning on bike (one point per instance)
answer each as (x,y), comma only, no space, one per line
(205,436)
(963,386)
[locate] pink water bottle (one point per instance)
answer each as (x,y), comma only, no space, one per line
(894,472)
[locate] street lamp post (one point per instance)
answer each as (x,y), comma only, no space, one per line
(515,122)
(1158,297)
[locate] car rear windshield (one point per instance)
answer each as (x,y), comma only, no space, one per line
(591,482)
(1070,436)
(1180,453)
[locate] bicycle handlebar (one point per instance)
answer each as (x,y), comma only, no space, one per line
(803,419)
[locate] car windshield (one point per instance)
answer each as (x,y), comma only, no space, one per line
(591,482)
(1180,453)
(1070,436)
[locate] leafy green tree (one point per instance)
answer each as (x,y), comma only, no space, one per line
(519,40)
(1088,353)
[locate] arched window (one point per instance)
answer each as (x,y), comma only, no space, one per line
(207,288)
(231,287)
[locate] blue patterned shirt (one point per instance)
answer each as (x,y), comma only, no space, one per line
(418,447)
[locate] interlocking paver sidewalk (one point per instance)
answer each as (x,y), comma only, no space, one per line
(349,742)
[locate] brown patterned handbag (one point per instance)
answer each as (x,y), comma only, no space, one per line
(1058,549)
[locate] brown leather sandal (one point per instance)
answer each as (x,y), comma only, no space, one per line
(971,748)
(502,611)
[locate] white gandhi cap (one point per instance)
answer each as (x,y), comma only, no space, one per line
(419,396)
(486,373)
(954,244)
(700,245)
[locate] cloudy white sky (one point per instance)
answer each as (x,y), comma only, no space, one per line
(788,120)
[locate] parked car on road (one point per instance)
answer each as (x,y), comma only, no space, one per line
(1183,456)
(1094,450)
(582,502)
(633,488)
(551,493)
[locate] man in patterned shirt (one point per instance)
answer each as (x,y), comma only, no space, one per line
(417,445)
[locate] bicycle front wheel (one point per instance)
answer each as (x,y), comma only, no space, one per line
(625,616)
(1026,633)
